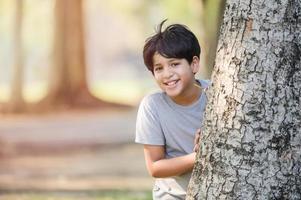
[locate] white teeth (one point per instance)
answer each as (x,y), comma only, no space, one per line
(171,83)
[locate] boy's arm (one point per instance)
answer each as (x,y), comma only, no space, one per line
(158,166)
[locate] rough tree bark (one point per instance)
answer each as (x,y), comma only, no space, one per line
(251,141)
(16,102)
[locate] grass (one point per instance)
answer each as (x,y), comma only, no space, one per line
(78,195)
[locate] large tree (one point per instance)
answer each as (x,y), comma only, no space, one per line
(16,103)
(251,137)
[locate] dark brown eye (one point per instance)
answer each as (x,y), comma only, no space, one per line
(157,69)
(174,64)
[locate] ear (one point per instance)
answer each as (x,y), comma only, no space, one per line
(195,64)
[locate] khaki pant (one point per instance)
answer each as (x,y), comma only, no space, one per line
(173,188)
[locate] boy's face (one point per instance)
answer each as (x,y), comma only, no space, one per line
(175,76)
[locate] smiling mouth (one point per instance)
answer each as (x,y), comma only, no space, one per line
(171,83)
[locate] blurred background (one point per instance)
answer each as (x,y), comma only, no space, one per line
(71,79)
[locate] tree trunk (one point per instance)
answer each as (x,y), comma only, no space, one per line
(68,83)
(17,103)
(251,140)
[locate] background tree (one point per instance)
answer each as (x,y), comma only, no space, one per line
(251,140)
(211,18)
(17,103)
(68,78)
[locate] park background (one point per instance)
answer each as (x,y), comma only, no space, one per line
(66,149)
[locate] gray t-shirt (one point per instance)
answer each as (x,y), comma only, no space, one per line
(160,121)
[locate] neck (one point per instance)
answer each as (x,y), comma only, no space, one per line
(190,96)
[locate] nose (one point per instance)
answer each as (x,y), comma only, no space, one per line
(168,72)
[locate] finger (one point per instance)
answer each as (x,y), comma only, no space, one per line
(199,131)
(196,148)
(197,135)
(196,139)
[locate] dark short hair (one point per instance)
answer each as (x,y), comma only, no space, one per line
(176,41)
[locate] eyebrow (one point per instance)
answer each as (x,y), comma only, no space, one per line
(169,61)
(157,64)
(174,60)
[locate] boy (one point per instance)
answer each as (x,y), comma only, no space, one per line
(168,121)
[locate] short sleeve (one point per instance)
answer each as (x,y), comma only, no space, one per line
(148,127)
(205,83)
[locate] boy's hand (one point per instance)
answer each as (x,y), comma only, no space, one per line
(197,140)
